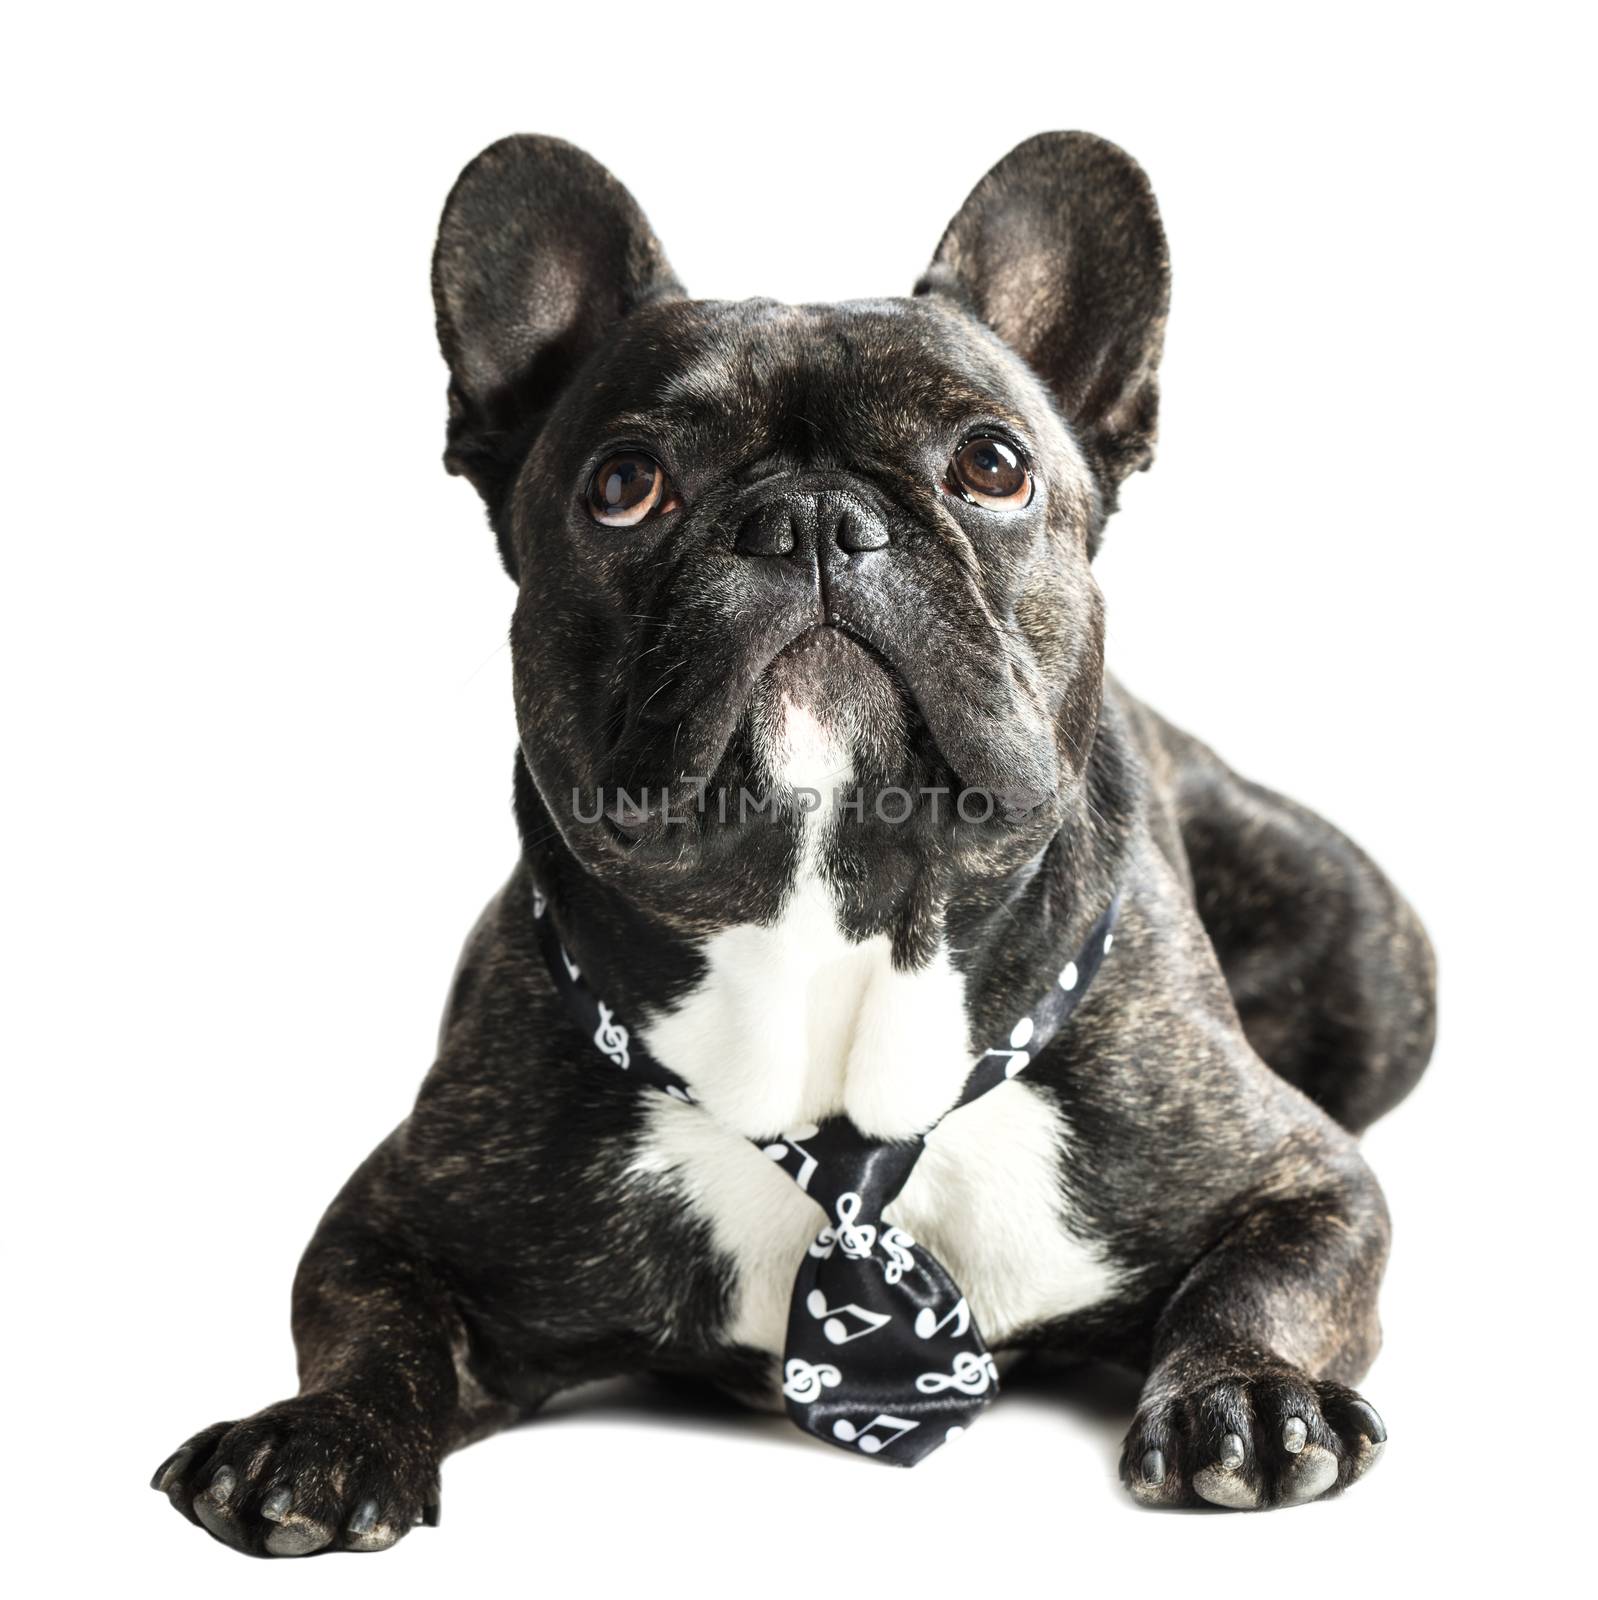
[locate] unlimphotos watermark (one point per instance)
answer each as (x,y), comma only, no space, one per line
(693,799)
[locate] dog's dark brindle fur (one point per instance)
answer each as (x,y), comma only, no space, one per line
(1270,995)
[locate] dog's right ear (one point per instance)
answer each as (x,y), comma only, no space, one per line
(540,253)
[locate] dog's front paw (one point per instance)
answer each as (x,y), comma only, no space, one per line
(1247,1435)
(323,1472)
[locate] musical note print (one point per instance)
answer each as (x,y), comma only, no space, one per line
(1017,1058)
(866,1438)
(611,1037)
(855,1240)
(972,1374)
(832,1321)
(1014,1060)
(897,1245)
(790,1142)
(571,966)
(928,1322)
(804,1382)
(539,903)
(677,1092)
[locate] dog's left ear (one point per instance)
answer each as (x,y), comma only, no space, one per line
(1060,251)
(541,252)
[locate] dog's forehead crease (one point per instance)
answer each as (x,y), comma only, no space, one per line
(881,371)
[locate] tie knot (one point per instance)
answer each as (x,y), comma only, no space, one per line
(850,1176)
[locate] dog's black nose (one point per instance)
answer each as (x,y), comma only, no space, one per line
(856,529)
(801,525)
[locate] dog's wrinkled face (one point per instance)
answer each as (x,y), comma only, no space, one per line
(746,533)
(868,513)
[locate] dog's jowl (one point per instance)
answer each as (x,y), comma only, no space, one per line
(881,988)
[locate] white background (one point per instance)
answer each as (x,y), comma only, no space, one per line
(259,735)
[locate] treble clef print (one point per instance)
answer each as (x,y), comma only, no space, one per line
(804,1382)
(897,1245)
(972,1374)
(856,1239)
(611,1037)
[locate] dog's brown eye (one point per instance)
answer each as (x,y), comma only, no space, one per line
(626,489)
(990,472)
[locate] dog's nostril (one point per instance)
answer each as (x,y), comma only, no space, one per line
(768,532)
(857,531)
(802,525)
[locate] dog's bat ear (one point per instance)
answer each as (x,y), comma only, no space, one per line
(1060,251)
(540,252)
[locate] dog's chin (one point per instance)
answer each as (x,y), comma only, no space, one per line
(829,713)
(825,716)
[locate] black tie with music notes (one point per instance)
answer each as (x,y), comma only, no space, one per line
(883,1354)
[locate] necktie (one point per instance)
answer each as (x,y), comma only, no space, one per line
(883,1355)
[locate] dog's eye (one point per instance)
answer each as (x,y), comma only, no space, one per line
(989,472)
(626,489)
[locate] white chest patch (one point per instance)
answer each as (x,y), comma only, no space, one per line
(793,1024)
(985,1198)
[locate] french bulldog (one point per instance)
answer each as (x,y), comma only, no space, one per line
(826,556)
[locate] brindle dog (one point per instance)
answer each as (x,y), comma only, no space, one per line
(755,543)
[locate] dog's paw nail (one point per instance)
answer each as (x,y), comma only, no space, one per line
(1232,1452)
(223,1482)
(1294,1433)
(365,1532)
(1154,1468)
(1371,1425)
(277,1504)
(171,1470)
(1369,1439)
(430,1514)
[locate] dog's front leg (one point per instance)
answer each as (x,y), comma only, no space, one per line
(1247,1401)
(352,1462)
